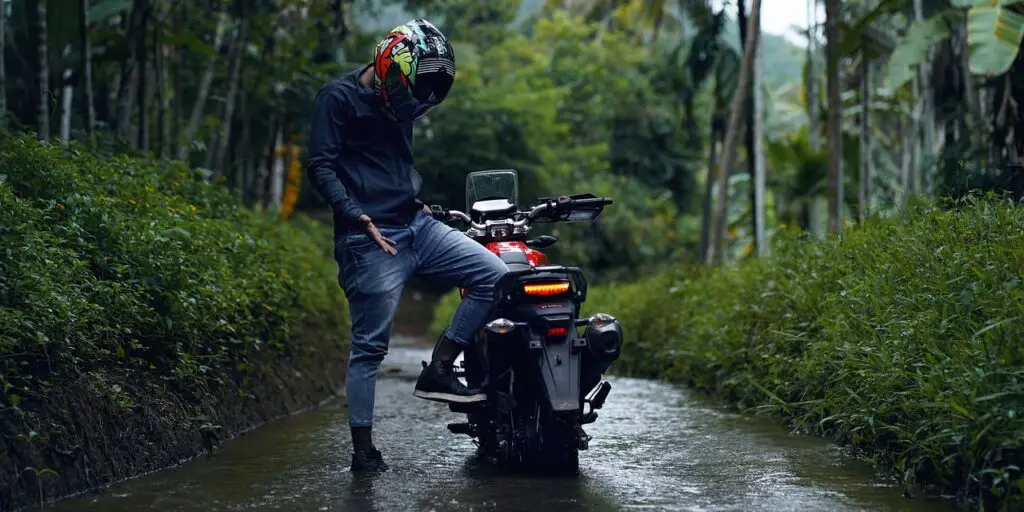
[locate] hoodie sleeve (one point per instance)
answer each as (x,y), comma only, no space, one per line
(325,137)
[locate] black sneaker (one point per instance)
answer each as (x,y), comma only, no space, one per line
(438,382)
(368,461)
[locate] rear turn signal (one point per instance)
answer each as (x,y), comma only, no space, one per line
(546,289)
(501,326)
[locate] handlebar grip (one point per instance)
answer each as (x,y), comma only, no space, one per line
(594,201)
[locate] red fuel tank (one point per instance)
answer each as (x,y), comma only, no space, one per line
(535,257)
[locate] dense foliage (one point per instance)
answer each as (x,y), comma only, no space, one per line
(121,268)
(901,339)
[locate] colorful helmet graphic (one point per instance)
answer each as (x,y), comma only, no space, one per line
(413,70)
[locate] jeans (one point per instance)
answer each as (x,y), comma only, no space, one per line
(373,281)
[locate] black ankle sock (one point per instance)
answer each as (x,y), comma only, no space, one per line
(446,350)
(362,438)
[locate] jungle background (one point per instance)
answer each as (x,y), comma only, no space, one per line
(631,99)
(793,219)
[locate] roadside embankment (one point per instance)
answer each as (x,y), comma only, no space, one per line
(902,340)
(145,316)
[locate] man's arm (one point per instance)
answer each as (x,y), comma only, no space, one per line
(329,116)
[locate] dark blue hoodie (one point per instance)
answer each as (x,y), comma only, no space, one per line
(360,161)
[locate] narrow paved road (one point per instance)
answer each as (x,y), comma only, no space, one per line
(655,447)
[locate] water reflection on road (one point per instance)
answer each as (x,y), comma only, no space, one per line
(655,447)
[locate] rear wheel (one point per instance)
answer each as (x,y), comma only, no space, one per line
(552,445)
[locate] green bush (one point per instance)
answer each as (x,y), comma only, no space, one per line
(902,340)
(139,267)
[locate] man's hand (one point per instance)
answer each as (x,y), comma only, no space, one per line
(386,244)
(426,210)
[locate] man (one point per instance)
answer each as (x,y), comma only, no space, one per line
(361,162)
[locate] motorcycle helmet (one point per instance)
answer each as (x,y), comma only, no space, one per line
(413,70)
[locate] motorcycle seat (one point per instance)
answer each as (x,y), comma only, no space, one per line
(515,260)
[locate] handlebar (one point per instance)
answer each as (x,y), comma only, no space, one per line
(563,203)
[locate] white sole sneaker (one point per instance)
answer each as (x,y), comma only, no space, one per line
(448,397)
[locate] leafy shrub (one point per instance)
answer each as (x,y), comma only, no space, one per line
(902,340)
(137,265)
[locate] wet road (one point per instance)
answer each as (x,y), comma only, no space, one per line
(655,447)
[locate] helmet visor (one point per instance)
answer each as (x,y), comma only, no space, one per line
(434,79)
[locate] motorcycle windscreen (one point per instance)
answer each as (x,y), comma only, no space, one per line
(488,185)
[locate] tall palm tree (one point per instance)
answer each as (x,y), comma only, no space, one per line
(86,49)
(834,127)
(732,134)
(753,120)
(3,69)
(42,72)
(812,75)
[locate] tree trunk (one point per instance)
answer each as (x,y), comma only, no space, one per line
(266,160)
(732,137)
(906,159)
(163,96)
(864,190)
(67,101)
(927,112)
(835,116)
(224,139)
(814,109)
(748,113)
(242,150)
(709,185)
(42,73)
(915,140)
(129,76)
(185,144)
(277,171)
(758,183)
(143,73)
(975,124)
(176,82)
(3,67)
(85,46)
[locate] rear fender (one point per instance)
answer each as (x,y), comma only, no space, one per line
(559,361)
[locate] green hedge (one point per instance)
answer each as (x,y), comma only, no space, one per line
(904,339)
(114,264)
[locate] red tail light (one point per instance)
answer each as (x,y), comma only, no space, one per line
(546,289)
(558,331)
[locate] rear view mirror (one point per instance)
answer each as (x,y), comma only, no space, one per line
(541,242)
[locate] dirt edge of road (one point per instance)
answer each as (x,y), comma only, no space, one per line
(101,442)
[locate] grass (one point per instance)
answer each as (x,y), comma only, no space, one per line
(133,278)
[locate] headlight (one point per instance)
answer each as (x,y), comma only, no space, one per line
(498,230)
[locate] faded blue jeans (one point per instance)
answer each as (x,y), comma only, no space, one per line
(373,281)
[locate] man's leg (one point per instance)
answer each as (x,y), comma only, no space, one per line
(373,282)
(446,255)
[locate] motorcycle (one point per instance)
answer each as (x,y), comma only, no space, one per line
(542,376)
